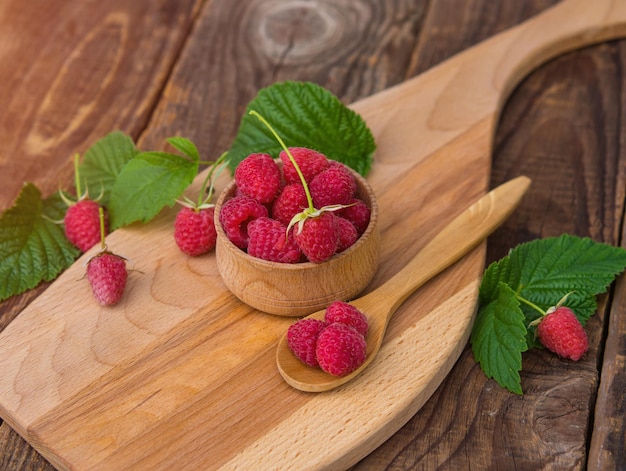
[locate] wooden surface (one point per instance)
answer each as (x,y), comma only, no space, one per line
(562,127)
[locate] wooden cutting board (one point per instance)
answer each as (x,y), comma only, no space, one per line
(181,375)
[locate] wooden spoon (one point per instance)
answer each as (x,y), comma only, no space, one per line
(464,233)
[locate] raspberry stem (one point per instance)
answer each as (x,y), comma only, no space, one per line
(218,166)
(102,230)
(293,161)
(77,176)
(531,304)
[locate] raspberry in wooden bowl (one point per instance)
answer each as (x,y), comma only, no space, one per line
(293,286)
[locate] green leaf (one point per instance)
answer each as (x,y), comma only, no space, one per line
(185,146)
(148,183)
(104,161)
(498,338)
(544,270)
(304,115)
(32,247)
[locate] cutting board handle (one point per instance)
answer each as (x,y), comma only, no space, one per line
(569,25)
(463,95)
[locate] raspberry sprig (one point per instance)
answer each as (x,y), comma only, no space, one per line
(194,227)
(81,221)
(106,272)
(317,233)
(310,211)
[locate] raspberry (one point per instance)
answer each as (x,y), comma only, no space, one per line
(82,224)
(194,230)
(309,161)
(562,333)
(290,201)
(358,214)
(107,275)
(268,240)
(235,216)
(302,339)
(258,176)
(340,349)
(319,237)
(344,313)
(347,234)
(335,185)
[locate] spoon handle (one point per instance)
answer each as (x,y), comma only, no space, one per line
(464,233)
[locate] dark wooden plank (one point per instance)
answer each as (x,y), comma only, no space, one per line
(356,49)
(562,128)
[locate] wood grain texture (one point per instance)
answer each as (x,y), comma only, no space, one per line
(399,40)
(564,128)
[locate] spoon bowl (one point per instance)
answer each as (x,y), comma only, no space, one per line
(460,236)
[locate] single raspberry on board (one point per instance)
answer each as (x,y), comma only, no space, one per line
(82,224)
(562,333)
(290,201)
(236,214)
(194,230)
(258,176)
(347,234)
(340,349)
(358,213)
(268,240)
(335,185)
(309,161)
(107,275)
(345,313)
(302,339)
(319,237)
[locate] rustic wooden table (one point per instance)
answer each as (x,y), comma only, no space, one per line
(73,71)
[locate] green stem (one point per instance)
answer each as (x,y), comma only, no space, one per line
(214,166)
(102,231)
(531,304)
(77,176)
(293,161)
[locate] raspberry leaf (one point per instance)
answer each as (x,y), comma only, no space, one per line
(148,183)
(540,273)
(104,161)
(32,247)
(304,115)
(498,338)
(544,270)
(185,146)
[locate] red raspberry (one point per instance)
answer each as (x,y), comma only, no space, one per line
(302,339)
(335,185)
(235,216)
(562,333)
(358,214)
(194,230)
(309,161)
(291,201)
(82,224)
(340,349)
(269,241)
(347,234)
(344,313)
(107,275)
(258,176)
(319,237)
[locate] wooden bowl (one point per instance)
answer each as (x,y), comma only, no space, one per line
(302,288)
